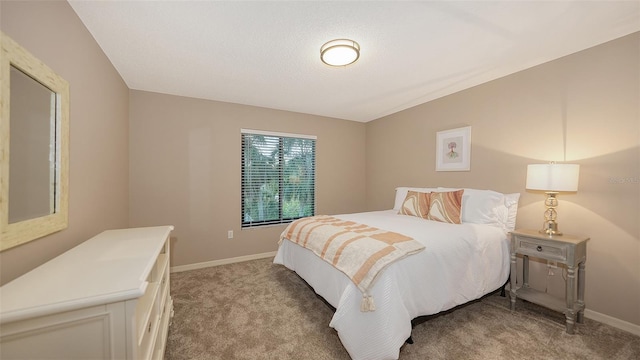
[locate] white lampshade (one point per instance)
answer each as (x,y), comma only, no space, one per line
(340,52)
(553,177)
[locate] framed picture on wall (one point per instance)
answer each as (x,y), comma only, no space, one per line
(453,149)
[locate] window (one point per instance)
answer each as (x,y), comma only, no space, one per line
(278,177)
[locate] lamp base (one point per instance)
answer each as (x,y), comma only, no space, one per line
(550,228)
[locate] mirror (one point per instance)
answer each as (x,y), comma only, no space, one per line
(32,175)
(34,133)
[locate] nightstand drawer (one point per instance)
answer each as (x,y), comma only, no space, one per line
(547,251)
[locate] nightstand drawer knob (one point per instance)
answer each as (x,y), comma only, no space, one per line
(539,248)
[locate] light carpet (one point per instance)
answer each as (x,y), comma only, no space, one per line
(259,310)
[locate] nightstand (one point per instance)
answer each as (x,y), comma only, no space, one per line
(569,250)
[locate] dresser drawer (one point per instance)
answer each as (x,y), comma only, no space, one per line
(163,274)
(544,250)
(149,334)
(165,320)
(146,315)
(150,306)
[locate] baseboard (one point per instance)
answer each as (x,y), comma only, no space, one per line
(207,264)
(615,322)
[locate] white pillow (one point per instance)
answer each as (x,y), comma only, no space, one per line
(401,194)
(511,204)
(479,206)
(488,207)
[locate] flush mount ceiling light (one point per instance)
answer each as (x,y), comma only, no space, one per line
(340,52)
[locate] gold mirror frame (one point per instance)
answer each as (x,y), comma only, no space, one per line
(13,234)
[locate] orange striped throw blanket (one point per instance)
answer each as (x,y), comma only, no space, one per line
(358,250)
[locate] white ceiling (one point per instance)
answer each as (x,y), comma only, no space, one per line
(267,53)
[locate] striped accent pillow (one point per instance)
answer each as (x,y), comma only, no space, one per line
(445,206)
(415,204)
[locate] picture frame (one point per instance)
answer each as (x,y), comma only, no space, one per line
(453,149)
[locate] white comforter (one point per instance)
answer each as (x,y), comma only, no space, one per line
(460,263)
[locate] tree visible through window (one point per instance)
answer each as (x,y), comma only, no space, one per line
(278,177)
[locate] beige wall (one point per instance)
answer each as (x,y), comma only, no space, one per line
(98,196)
(584,109)
(185,171)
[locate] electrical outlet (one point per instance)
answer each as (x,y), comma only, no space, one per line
(230,234)
(551,264)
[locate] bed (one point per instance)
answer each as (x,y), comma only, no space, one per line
(459,263)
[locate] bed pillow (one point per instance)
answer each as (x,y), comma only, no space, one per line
(479,206)
(508,212)
(489,207)
(415,204)
(445,206)
(401,194)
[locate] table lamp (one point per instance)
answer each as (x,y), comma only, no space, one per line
(552,178)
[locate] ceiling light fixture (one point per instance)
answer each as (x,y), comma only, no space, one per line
(340,52)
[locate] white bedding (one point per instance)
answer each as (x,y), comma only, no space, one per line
(460,263)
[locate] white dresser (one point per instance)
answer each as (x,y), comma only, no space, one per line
(107,298)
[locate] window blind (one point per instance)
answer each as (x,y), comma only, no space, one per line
(278,177)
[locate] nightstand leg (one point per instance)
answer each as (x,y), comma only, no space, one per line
(570,291)
(581,280)
(513,278)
